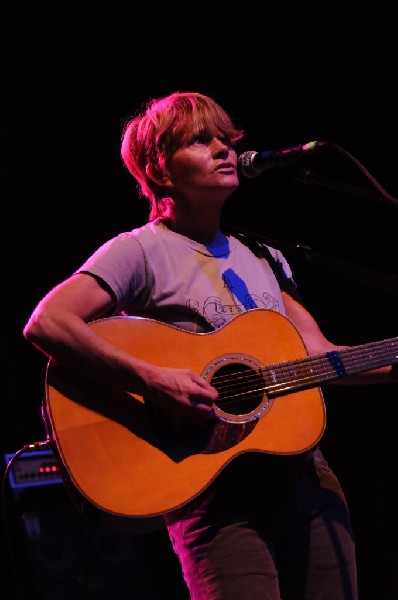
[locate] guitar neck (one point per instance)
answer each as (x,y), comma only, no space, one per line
(290,376)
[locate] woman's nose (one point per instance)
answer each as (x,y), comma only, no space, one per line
(219,145)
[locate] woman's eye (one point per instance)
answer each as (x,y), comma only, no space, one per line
(206,139)
(200,139)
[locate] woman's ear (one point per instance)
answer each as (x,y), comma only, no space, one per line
(157,176)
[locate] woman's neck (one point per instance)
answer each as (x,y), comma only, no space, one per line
(203,232)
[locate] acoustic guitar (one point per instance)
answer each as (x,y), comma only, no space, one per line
(125,457)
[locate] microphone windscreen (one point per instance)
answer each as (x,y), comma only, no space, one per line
(246,163)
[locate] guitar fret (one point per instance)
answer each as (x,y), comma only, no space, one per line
(322,368)
(370,356)
(307,372)
(298,374)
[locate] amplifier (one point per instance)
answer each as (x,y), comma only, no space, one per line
(33,468)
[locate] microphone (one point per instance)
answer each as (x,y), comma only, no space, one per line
(251,163)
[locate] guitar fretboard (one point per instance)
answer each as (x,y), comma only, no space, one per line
(290,376)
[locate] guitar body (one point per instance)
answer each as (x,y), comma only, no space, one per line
(127,459)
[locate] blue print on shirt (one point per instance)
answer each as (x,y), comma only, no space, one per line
(218,313)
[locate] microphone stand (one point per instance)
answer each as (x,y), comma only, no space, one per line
(308,177)
(382,281)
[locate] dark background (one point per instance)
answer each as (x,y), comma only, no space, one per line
(289,73)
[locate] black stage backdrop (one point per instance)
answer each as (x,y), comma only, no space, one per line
(290,74)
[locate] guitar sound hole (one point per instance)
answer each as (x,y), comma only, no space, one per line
(240,388)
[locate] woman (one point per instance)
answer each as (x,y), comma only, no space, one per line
(268,525)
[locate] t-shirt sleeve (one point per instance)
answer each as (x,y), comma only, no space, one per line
(120,263)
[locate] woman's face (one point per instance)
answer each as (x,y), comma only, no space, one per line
(204,164)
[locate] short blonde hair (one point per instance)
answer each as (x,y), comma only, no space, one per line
(167,123)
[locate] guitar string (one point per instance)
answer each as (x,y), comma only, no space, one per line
(301,365)
(349,357)
(303,372)
(298,375)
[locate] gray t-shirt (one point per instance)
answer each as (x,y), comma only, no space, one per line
(157,273)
